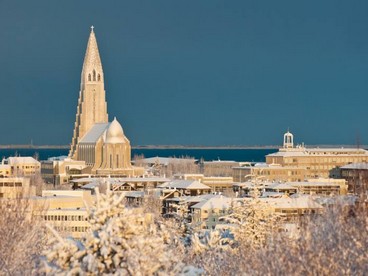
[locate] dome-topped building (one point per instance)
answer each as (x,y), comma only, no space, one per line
(102,145)
(115,133)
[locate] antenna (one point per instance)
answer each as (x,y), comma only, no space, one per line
(358,144)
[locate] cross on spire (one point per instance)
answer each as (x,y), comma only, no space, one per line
(92,28)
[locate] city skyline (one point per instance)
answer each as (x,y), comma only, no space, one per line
(219,74)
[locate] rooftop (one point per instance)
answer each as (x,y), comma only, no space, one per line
(185,184)
(356,166)
(94,133)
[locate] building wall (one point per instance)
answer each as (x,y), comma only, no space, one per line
(5,171)
(357,180)
(16,187)
(318,164)
(67,222)
(272,173)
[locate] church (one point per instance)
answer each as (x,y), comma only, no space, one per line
(100,143)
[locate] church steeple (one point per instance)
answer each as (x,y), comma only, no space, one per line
(92,66)
(92,107)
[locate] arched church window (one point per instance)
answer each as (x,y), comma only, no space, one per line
(89,77)
(94,75)
(98,77)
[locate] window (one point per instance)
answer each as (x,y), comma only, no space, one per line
(89,77)
(98,77)
(94,75)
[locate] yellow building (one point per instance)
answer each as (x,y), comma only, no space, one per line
(64,210)
(23,166)
(218,167)
(270,172)
(292,208)
(102,145)
(59,171)
(5,170)
(216,183)
(207,213)
(320,186)
(316,161)
(68,222)
(16,187)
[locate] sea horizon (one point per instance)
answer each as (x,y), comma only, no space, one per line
(32,146)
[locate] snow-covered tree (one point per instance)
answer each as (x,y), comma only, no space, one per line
(121,241)
(21,232)
(253,221)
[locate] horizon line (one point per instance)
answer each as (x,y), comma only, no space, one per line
(31,146)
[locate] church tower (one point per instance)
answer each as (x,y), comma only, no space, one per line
(92,106)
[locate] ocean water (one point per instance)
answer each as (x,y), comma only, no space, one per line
(255,155)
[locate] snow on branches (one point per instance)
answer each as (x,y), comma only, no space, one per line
(121,241)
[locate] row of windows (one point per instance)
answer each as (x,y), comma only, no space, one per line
(325,160)
(71,228)
(64,218)
(28,167)
(10,184)
(335,153)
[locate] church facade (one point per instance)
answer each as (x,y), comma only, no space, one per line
(100,143)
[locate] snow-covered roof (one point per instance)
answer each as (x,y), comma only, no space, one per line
(301,202)
(272,194)
(261,165)
(247,184)
(340,199)
(192,199)
(280,186)
(91,186)
(219,202)
(165,160)
(135,194)
(185,184)
(297,152)
(57,158)
(21,160)
(222,162)
(120,179)
(94,133)
(313,183)
(356,166)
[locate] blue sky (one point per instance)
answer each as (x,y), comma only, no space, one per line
(189,72)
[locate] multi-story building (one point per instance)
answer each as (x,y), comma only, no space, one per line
(326,187)
(186,187)
(218,167)
(271,172)
(207,213)
(64,210)
(356,175)
(59,171)
(5,170)
(318,162)
(16,187)
(23,166)
(216,183)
